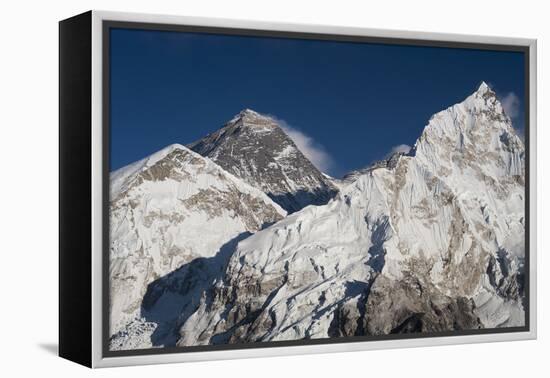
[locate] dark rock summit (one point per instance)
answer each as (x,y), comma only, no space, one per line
(254,148)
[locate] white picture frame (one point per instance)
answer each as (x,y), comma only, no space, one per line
(98,356)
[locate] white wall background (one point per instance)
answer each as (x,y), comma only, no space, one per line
(28,187)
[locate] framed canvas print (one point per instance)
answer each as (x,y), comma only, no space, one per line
(232,189)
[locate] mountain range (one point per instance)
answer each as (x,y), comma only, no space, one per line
(239,238)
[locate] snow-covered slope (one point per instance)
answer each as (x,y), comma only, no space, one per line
(174,212)
(389,163)
(253,147)
(431,241)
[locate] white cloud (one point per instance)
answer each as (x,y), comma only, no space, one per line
(312,150)
(511,104)
(404,148)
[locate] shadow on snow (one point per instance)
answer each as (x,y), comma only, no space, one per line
(171,299)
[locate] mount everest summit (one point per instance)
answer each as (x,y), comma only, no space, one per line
(254,148)
(239,238)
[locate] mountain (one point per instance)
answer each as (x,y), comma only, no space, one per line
(389,162)
(431,241)
(254,148)
(173,214)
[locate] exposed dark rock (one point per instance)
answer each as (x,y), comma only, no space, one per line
(254,148)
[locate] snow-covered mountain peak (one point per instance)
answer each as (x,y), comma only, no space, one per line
(255,148)
(483,106)
(122,177)
(475,133)
(167,210)
(475,127)
(250,113)
(485,92)
(249,118)
(483,87)
(148,161)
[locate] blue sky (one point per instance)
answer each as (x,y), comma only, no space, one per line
(347,103)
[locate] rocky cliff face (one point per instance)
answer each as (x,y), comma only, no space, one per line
(431,241)
(173,209)
(254,148)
